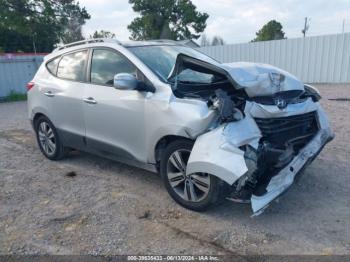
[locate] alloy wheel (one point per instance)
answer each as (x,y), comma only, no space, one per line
(47,138)
(193,187)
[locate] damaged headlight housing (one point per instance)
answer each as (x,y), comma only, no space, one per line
(312,92)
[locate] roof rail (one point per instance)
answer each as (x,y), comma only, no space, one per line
(88,41)
(163,41)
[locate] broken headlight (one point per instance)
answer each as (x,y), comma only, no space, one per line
(312,92)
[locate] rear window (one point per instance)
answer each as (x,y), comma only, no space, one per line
(52,65)
(72,66)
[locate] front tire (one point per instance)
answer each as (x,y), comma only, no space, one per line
(48,140)
(196,191)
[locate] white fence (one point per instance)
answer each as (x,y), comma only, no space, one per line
(318,59)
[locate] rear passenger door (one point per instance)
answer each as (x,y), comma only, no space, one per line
(66,97)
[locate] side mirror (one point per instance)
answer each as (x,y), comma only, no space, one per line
(125,81)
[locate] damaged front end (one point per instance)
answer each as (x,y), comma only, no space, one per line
(260,157)
(269,127)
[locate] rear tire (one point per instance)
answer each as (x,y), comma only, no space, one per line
(197,191)
(48,140)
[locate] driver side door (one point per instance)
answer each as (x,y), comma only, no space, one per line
(114,119)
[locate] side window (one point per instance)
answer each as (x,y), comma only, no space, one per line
(72,66)
(106,63)
(52,65)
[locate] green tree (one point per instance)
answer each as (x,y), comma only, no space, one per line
(43,22)
(270,31)
(166,19)
(102,34)
(206,41)
(217,40)
(73,30)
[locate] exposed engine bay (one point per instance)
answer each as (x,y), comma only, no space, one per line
(281,140)
(269,126)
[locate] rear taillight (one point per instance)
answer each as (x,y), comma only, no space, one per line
(30,85)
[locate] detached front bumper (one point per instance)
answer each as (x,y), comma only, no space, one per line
(285,178)
(219,151)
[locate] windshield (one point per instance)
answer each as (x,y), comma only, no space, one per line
(161,59)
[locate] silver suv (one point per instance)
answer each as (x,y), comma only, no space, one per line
(240,131)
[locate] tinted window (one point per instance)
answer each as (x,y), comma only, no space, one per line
(72,66)
(106,63)
(52,65)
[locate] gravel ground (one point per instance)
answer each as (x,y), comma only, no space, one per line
(110,208)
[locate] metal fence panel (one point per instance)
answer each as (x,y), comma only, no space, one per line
(16,70)
(316,59)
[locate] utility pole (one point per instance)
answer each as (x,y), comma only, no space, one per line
(306,26)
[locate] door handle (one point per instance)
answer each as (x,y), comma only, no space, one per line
(49,94)
(90,100)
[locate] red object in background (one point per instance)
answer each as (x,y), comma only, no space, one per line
(30,85)
(11,55)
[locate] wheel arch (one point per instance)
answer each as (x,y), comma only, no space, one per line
(37,116)
(164,142)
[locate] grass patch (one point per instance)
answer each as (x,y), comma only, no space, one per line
(14,96)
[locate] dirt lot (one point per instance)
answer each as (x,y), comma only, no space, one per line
(111,208)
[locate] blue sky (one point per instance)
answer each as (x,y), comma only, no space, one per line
(236,21)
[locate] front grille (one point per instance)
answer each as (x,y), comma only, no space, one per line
(291,130)
(290,97)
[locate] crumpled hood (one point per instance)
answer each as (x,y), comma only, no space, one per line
(255,78)
(261,79)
